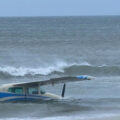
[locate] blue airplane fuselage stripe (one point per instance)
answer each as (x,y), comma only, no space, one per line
(5,94)
(20,97)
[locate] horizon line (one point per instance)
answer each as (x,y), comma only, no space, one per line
(61,16)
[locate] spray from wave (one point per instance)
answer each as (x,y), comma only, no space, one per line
(60,68)
(22,71)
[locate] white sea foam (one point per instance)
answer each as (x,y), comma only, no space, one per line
(73,117)
(87,117)
(22,71)
(104,65)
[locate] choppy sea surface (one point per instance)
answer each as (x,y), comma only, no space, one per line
(37,48)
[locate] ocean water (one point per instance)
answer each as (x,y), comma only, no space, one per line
(37,48)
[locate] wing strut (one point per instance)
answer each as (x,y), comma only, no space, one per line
(63,90)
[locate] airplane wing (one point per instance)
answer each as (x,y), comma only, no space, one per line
(53,81)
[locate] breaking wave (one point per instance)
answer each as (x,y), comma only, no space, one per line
(61,68)
(23,71)
(73,117)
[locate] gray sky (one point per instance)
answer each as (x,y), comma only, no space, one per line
(59,7)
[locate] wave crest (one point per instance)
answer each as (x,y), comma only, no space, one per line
(22,71)
(61,68)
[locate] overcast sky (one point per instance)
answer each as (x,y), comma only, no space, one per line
(59,7)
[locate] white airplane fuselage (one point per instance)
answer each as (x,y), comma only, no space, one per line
(7,94)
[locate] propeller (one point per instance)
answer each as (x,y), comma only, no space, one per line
(63,90)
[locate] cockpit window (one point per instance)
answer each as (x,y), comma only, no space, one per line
(33,90)
(42,91)
(17,90)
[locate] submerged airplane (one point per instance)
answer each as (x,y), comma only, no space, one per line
(31,91)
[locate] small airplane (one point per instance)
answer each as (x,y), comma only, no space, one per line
(31,91)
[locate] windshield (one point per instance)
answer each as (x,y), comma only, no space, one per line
(33,90)
(42,91)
